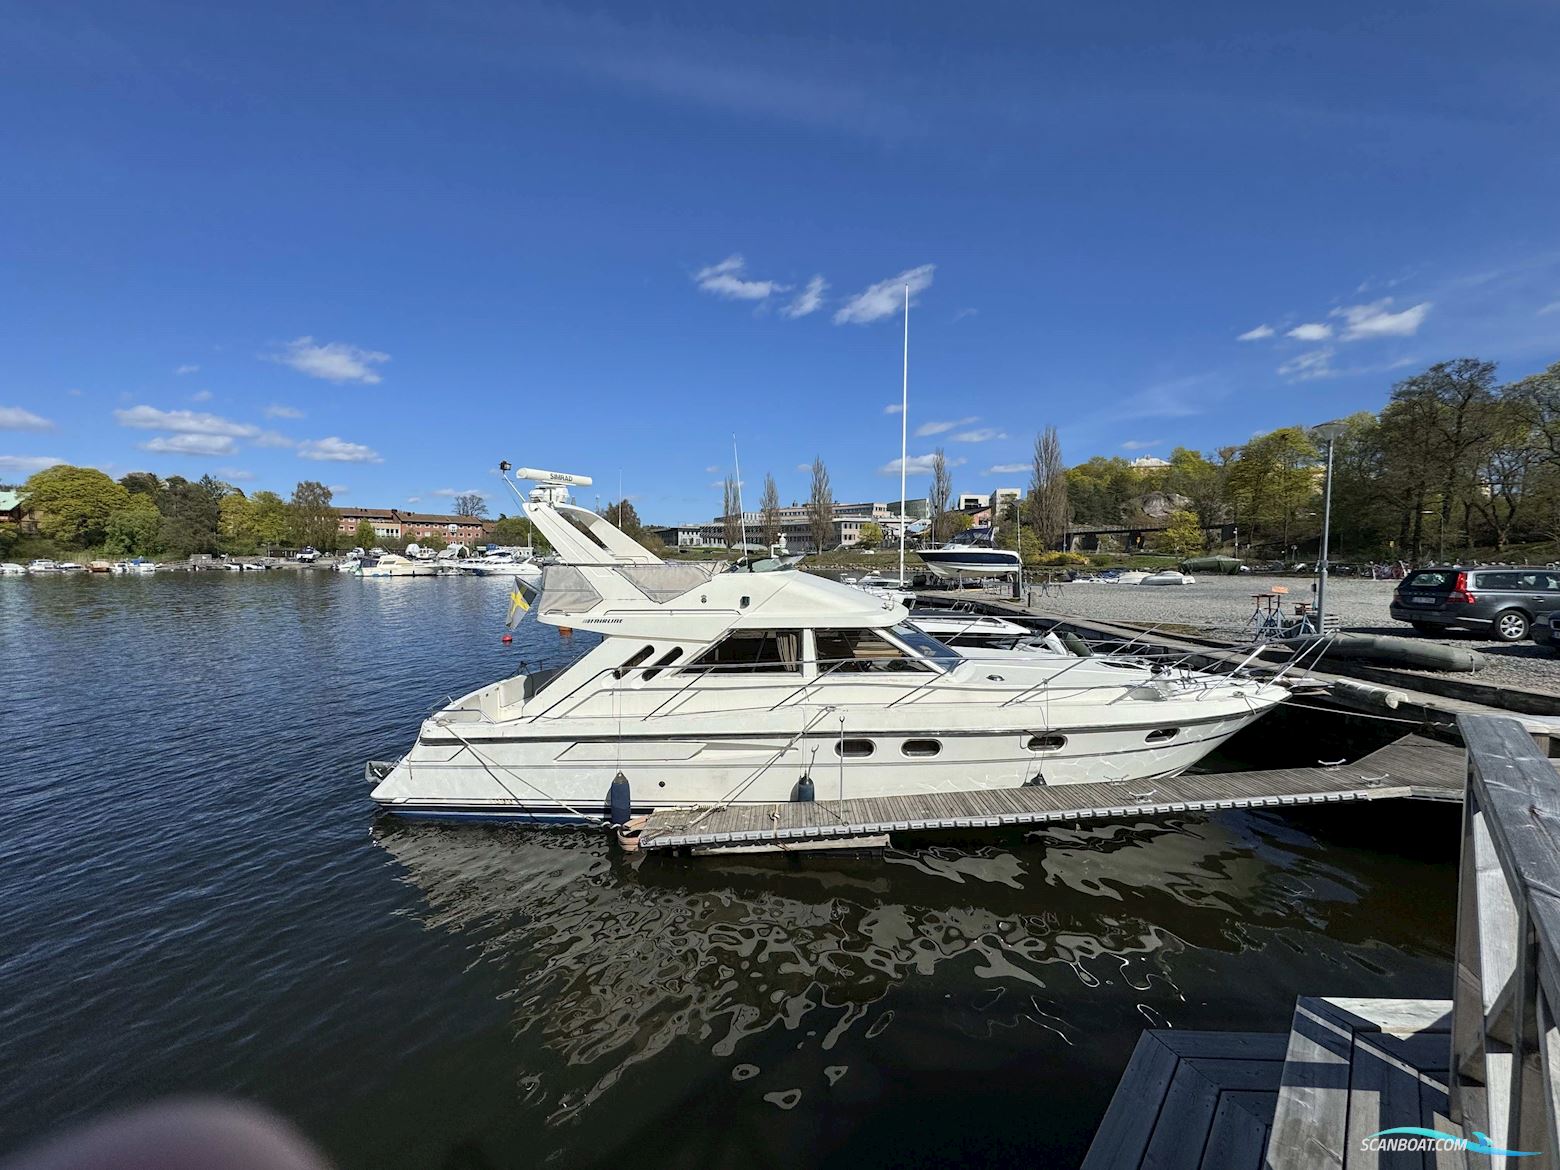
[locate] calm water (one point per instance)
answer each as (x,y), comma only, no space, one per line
(194,896)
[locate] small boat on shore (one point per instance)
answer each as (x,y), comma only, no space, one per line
(971,554)
(12,569)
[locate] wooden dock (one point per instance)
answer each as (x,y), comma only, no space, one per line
(1411,767)
(1348,1069)
(1474,1080)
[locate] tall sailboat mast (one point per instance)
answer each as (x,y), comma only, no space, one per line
(904,422)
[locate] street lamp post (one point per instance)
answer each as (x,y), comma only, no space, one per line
(1328,432)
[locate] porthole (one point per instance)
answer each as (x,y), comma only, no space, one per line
(1046,743)
(921,747)
(1162,735)
(854,749)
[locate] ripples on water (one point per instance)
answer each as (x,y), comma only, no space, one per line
(195,896)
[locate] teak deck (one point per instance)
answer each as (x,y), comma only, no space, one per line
(1411,767)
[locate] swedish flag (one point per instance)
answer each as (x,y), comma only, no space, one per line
(517,603)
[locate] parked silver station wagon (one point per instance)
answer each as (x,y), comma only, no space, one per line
(1501,602)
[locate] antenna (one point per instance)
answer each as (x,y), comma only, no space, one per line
(741,515)
(904,413)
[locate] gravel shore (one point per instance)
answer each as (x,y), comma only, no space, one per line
(1223,606)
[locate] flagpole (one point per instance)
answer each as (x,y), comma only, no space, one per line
(904,412)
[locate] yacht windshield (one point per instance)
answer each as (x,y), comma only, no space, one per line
(927,646)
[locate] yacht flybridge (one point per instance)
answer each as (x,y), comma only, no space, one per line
(713,686)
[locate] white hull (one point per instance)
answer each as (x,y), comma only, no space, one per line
(464,766)
(970,562)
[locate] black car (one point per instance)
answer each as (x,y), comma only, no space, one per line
(1498,601)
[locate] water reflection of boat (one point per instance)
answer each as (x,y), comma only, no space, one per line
(665,978)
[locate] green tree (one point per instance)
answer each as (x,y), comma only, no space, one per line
(519,532)
(1199,480)
(143,483)
(269,516)
(1274,478)
(134,528)
(871,534)
(235,523)
(622,516)
(192,514)
(365,536)
(72,504)
(312,520)
(1183,535)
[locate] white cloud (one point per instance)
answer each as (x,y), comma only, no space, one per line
(1260,333)
(273,439)
(963,313)
(414,499)
(1006,469)
(1552,307)
(189,368)
(335,361)
(918,465)
(885,298)
(334,450)
(809,300)
(725,280)
(978,435)
(14,418)
(893,408)
(1311,331)
(188,422)
(278,410)
(235,474)
(338,489)
(74,393)
(1141,444)
(201,396)
(26,464)
(1373,320)
(937,428)
(191,444)
(1309,366)
(712,469)
(451,493)
(807,467)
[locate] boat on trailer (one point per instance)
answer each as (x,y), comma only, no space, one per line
(711,686)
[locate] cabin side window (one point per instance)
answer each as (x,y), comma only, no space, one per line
(861,652)
(753,652)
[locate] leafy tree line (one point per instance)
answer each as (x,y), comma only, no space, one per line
(1456,461)
(80,509)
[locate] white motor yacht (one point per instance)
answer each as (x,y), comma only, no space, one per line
(394,565)
(12,569)
(971,554)
(42,565)
(721,687)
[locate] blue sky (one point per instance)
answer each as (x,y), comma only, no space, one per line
(386,246)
